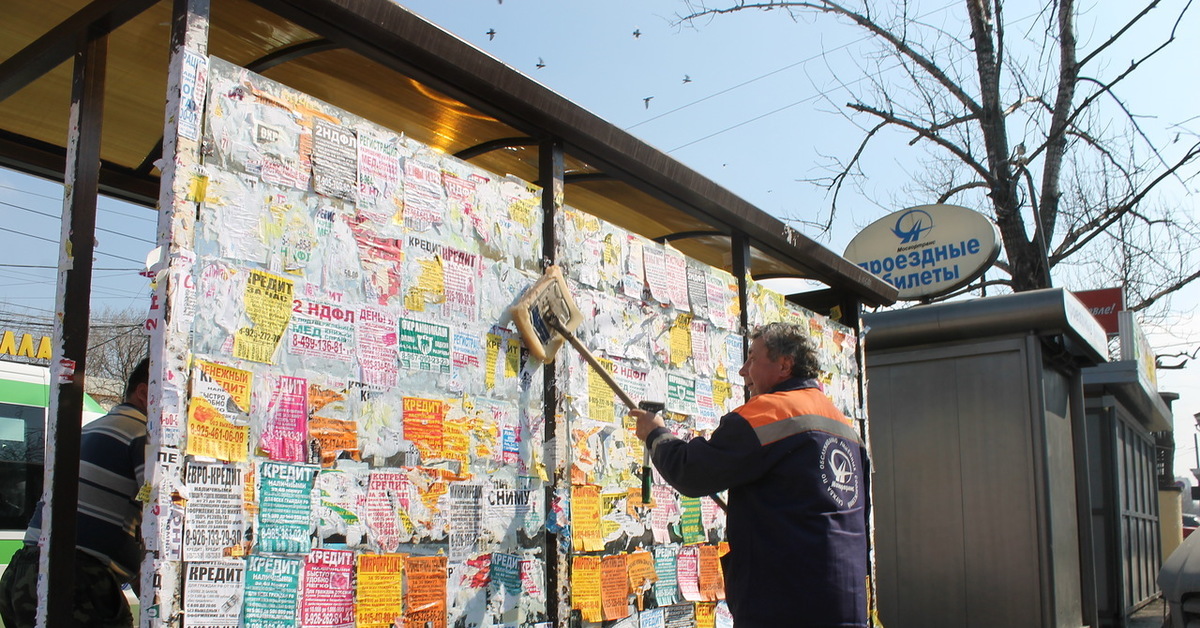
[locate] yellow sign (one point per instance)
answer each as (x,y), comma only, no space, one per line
(268,300)
(23,347)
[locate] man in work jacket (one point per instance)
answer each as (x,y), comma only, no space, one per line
(793,466)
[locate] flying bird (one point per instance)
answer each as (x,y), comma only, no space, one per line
(491,34)
(541,64)
(637,33)
(646,101)
(686,79)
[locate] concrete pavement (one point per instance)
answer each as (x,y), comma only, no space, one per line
(1152,615)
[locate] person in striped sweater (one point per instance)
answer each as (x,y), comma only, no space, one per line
(108,541)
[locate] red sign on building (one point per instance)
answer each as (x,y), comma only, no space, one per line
(1104,305)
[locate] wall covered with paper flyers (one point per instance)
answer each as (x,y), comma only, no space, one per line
(352,433)
(667,329)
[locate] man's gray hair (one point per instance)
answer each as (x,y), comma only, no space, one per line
(789,340)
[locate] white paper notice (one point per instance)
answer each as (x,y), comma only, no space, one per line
(462,273)
(677,280)
(212,594)
(424,197)
(214,526)
(377,343)
(656,273)
(633,281)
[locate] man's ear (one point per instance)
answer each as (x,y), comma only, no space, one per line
(141,396)
(786,365)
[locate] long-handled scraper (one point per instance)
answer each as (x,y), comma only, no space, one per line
(545,316)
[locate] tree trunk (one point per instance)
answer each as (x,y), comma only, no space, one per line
(1024,255)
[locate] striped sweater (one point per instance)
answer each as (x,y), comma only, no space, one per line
(112,459)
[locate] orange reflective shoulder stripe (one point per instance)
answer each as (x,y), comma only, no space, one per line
(775,416)
(771,407)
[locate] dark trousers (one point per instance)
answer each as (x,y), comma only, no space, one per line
(99,601)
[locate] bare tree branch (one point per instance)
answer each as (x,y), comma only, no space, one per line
(1091,229)
(1115,37)
(863,20)
(1148,301)
(840,178)
(1012,124)
(960,188)
(925,133)
(1187,356)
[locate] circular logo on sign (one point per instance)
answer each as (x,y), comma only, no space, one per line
(839,472)
(911,224)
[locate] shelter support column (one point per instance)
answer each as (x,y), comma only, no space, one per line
(69,365)
(739,250)
(551,173)
(172,306)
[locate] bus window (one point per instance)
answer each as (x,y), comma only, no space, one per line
(21,454)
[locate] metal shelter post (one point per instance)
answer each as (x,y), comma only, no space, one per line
(551,170)
(82,177)
(172,307)
(739,248)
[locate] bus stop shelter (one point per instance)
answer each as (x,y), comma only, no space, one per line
(82,87)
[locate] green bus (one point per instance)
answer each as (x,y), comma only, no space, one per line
(24,399)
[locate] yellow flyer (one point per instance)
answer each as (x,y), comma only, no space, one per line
(681,339)
(211,435)
(512,358)
(613,513)
(585,518)
(379,592)
(491,358)
(268,301)
(585,587)
(233,381)
(706,615)
(632,442)
(456,440)
(721,393)
(600,394)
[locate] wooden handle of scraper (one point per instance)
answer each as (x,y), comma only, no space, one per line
(612,383)
(591,359)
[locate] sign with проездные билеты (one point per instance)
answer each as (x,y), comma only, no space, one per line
(927,250)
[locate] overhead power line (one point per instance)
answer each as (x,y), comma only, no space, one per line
(151,217)
(56,267)
(763,76)
(101,229)
(96,251)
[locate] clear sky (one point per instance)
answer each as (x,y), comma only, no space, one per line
(747,99)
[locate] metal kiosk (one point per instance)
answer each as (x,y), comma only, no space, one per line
(978,431)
